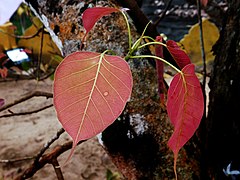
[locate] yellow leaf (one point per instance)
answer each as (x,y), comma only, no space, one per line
(49,48)
(6,40)
(191,41)
(21,9)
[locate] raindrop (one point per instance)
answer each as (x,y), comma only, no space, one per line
(105,93)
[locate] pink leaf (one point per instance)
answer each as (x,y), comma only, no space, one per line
(185,107)
(90,92)
(178,54)
(92,15)
(3,72)
(204,2)
(28,51)
(1,102)
(160,69)
(2,55)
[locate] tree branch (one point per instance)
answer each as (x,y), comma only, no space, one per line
(57,169)
(162,15)
(27,113)
(23,37)
(16,160)
(29,96)
(46,159)
(48,144)
(139,18)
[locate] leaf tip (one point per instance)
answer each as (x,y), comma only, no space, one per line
(70,155)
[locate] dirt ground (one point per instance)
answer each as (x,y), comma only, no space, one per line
(24,136)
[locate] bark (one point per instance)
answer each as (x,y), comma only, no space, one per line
(144,154)
(137,142)
(223,125)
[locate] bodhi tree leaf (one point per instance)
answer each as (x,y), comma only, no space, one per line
(90,92)
(185,108)
(92,15)
(178,54)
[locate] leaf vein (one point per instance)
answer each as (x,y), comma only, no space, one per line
(111,86)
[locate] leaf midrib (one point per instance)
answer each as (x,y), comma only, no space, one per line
(89,98)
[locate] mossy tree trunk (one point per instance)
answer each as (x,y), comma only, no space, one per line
(222,127)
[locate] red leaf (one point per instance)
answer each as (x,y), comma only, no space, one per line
(92,15)
(204,2)
(3,72)
(178,54)
(2,55)
(28,51)
(90,92)
(1,102)
(185,107)
(160,69)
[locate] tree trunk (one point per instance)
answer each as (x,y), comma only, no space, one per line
(138,142)
(223,124)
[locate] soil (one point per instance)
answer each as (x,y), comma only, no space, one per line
(24,136)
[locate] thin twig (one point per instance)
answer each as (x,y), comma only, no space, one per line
(22,37)
(162,15)
(203,53)
(16,77)
(48,144)
(203,123)
(26,113)
(46,159)
(40,56)
(29,96)
(57,169)
(16,160)
(47,75)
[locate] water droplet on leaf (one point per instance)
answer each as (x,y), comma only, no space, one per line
(105,93)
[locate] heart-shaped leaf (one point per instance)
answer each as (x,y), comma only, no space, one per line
(1,102)
(178,54)
(90,92)
(185,108)
(92,15)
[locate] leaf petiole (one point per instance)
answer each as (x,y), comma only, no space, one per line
(152,43)
(158,58)
(137,43)
(128,27)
